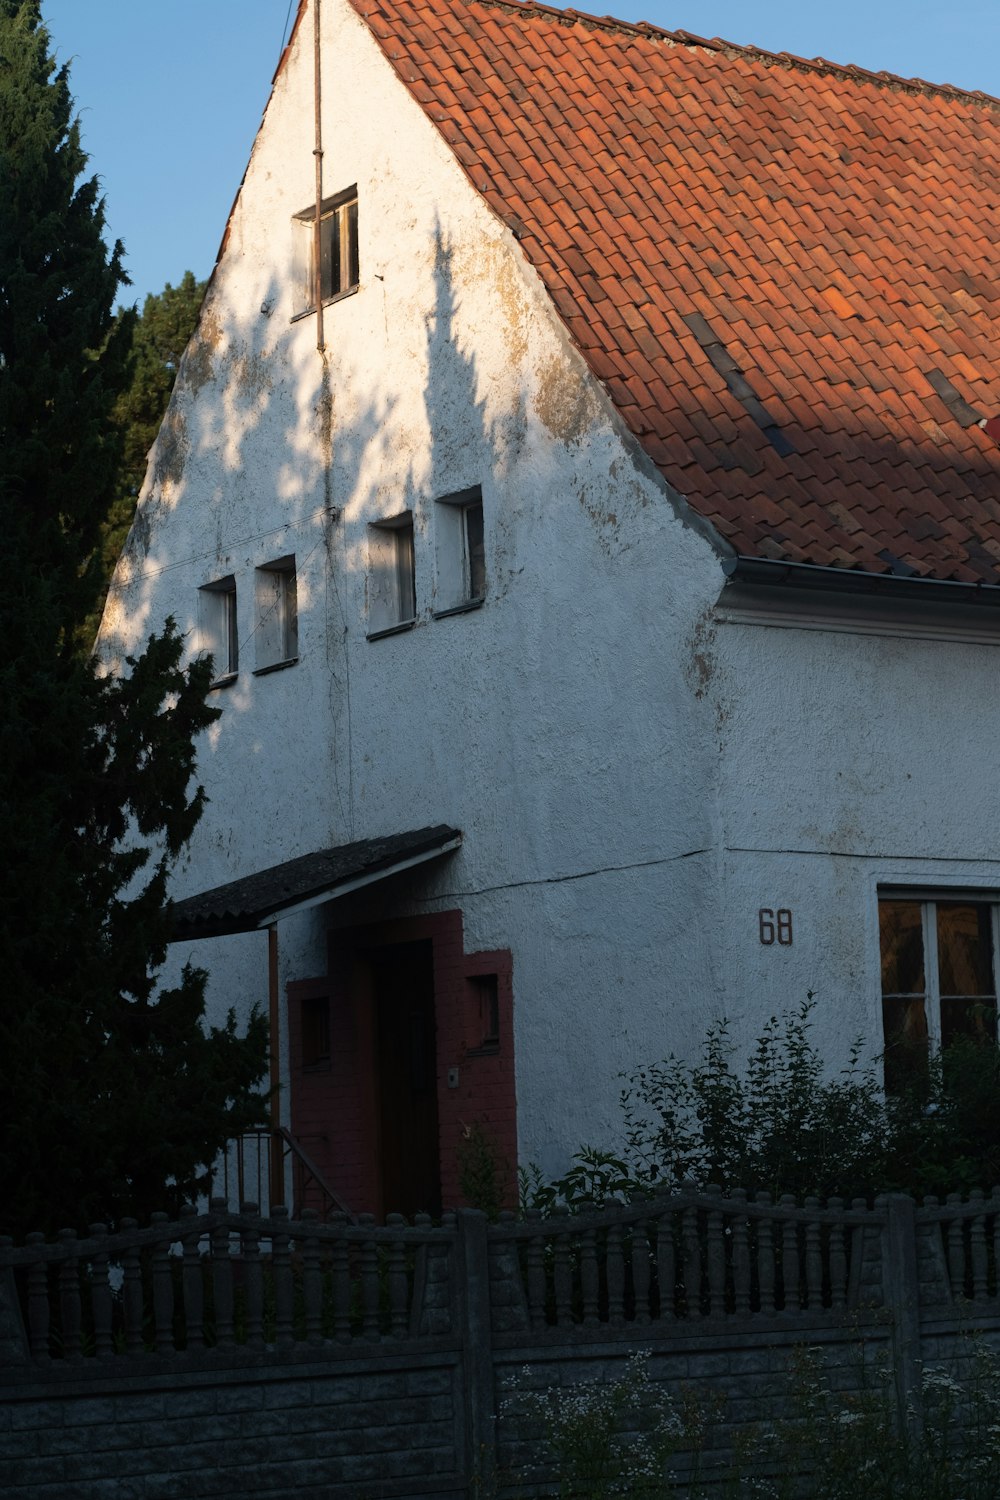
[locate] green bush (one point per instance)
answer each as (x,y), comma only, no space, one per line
(782,1123)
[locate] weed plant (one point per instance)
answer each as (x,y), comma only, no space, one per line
(628,1437)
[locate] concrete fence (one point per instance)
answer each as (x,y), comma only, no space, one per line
(229,1354)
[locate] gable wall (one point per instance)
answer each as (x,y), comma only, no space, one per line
(561,727)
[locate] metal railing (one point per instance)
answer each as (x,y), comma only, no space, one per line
(256,1163)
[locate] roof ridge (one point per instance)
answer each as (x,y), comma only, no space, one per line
(851,71)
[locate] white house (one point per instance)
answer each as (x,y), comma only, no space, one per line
(596,526)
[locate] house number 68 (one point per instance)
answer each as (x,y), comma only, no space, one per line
(775,926)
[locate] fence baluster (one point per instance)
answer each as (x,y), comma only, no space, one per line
(640,1267)
(132,1292)
(858,1235)
(38,1302)
(789,1257)
(666,1264)
(369,1279)
(398,1280)
(741,1255)
(535,1261)
(765,1257)
(340,1263)
(614,1271)
(838,1256)
(253,1275)
(100,1292)
(814,1258)
(956,1249)
(589,1270)
(307,1244)
(284,1301)
(222,1276)
(716,1256)
(563,1269)
(70,1315)
(692,1263)
(978,1245)
(163,1292)
(193,1283)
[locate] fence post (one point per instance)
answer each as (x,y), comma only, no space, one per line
(13,1337)
(472,1279)
(901,1290)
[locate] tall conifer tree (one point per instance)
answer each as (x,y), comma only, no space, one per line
(112,1097)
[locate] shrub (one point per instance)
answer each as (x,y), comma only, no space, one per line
(783,1124)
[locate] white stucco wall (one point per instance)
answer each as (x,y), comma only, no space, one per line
(848,759)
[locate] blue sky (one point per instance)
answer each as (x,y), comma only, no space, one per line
(171,94)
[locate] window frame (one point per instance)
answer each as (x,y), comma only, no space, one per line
(454,552)
(280,580)
(929,899)
(392,575)
(336,207)
(219,624)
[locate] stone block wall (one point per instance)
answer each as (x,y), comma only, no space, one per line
(361,1430)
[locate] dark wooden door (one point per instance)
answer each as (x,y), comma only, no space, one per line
(406,1061)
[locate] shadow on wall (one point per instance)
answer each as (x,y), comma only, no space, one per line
(266,438)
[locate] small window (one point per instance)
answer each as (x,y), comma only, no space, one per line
(217,623)
(315,1017)
(938,978)
(338,248)
(391,580)
(484,1019)
(277,632)
(460,551)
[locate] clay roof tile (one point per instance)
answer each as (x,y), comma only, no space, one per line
(834,229)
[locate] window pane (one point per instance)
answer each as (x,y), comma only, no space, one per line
(353,275)
(315,1030)
(965,945)
(291,616)
(405,587)
(902,942)
(329,258)
(904,1024)
(475,550)
(972,1018)
(231,643)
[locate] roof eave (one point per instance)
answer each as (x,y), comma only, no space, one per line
(776,573)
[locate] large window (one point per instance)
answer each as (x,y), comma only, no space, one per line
(938,977)
(338,250)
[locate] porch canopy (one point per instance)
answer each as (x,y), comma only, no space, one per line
(259,900)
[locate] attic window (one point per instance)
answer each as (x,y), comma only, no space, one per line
(338,248)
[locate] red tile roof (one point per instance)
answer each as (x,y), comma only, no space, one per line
(784,272)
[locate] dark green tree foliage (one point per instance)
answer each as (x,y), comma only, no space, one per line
(161,334)
(112,1098)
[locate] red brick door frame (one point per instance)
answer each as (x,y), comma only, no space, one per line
(335,1103)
